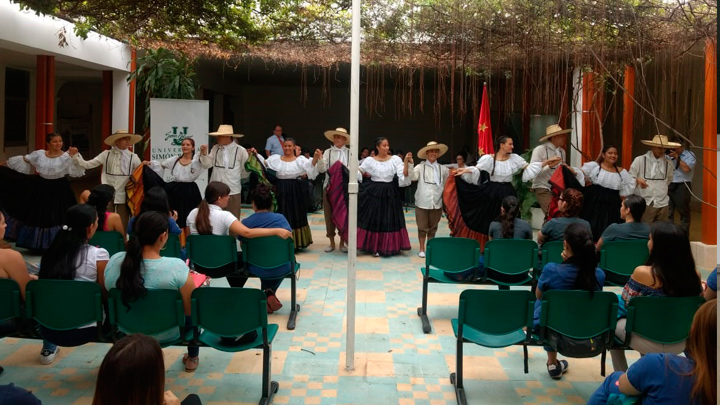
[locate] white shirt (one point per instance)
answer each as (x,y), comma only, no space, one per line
(658,173)
(87,270)
(291,170)
(179,172)
(117,164)
(220,220)
(504,169)
(547,151)
(228,163)
(46,167)
(385,171)
(609,179)
(431,178)
(332,155)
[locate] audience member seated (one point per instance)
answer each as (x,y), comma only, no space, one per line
(261,199)
(156,199)
(578,271)
(12,266)
(660,378)
(710,291)
(141,268)
(100,197)
(670,272)
(209,218)
(69,257)
(632,207)
(133,372)
(569,204)
(11,394)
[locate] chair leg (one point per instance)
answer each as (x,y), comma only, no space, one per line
(422,311)
(295,308)
(525,358)
(457,378)
(269,387)
(603,357)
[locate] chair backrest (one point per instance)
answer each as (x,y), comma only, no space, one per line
(9,299)
(663,320)
(157,312)
(64,304)
(511,256)
(172,247)
(577,315)
(496,312)
(211,251)
(211,306)
(112,241)
(620,258)
(268,252)
(452,254)
(551,252)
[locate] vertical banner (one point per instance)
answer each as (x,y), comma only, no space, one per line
(171,122)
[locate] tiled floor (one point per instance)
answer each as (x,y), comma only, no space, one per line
(395,363)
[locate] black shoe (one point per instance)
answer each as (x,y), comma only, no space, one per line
(556,370)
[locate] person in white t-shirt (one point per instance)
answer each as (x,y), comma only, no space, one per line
(70,257)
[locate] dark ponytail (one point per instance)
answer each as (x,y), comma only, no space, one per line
(262,197)
(507,218)
(148,227)
(100,197)
(584,256)
(213,192)
(67,251)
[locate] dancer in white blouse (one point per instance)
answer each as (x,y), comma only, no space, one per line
(381,221)
(606,183)
(290,191)
(335,162)
(227,160)
(183,193)
(36,205)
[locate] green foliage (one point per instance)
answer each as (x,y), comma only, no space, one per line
(524,194)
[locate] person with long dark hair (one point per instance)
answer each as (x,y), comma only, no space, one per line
(508,225)
(133,372)
(100,198)
(631,210)
(663,378)
(141,268)
(381,222)
(291,192)
(605,184)
(669,272)
(183,170)
(578,271)
(156,199)
(569,204)
(70,257)
(36,193)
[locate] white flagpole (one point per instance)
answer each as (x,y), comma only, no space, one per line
(353,186)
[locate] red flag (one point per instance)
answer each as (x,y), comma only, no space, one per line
(485,139)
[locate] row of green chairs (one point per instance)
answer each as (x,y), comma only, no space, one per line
(217,313)
(497,319)
(113,242)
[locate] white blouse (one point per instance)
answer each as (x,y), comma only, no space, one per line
(504,169)
(385,171)
(291,170)
(609,179)
(47,168)
(179,172)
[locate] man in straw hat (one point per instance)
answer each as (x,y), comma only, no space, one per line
(227,160)
(118,165)
(550,149)
(431,178)
(653,173)
(337,153)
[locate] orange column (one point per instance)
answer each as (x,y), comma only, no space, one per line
(709,214)
(40,96)
(590,124)
(107,94)
(628,114)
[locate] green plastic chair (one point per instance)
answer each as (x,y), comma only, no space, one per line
(10,300)
(112,241)
(510,258)
(172,247)
(211,251)
(64,304)
(213,310)
(551,253)
(452,255)
(618,259)
(158,312)
(494,319)
(577,315)
(269,252)
(664,320)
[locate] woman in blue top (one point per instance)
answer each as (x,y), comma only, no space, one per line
(156,199)
(578,271)
(670,379)
(261,199)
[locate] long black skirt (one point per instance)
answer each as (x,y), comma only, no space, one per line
(291,200)
(380,219)
(480,205)
(601,207)
(183,196)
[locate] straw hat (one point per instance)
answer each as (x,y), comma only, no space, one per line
(122,133)
(337,131)
(422,153)
(662,142)
(225,130)
(554,130)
